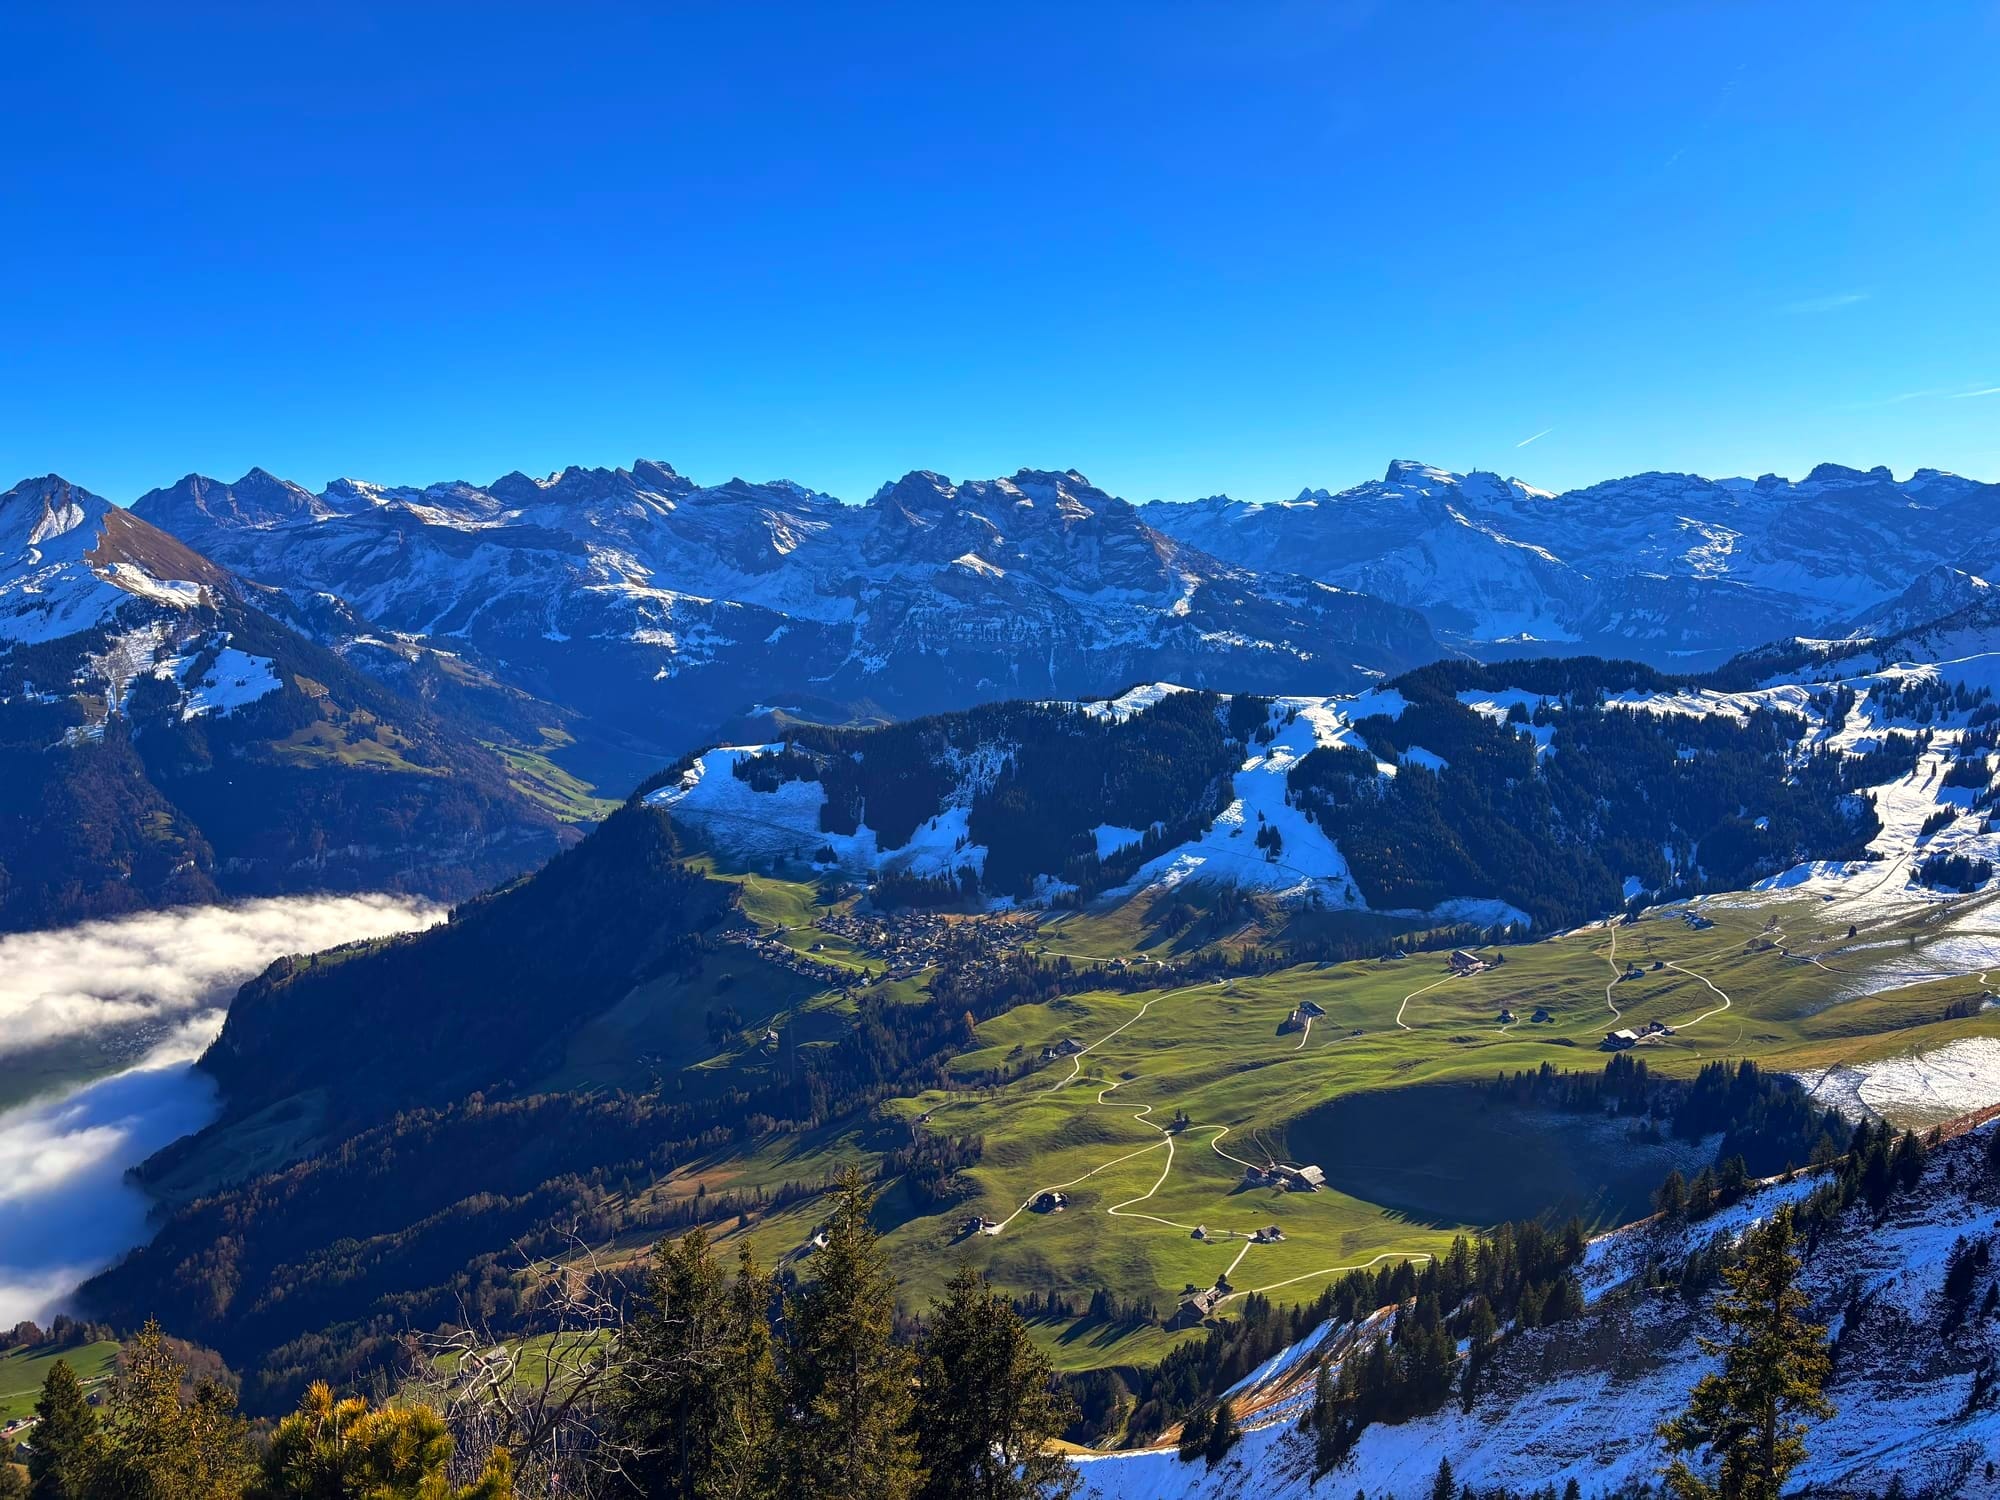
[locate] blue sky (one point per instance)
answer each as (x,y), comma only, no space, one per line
(1183,248)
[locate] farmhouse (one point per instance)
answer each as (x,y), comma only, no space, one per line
(1069,1046)
(1507,1018)
(1465,961)
(1270,1234)
(1259,1176)
(1051,1202)
(1306,1179)
(1618,1041)
(1194,1310)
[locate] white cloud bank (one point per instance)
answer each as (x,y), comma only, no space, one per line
(165,965)
(66,1210)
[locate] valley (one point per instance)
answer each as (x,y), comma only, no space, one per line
(1762,984)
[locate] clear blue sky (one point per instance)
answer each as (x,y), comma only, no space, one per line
(1235,247)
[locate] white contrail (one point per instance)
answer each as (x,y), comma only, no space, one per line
(1527,440)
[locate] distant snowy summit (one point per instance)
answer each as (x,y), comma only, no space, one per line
(1672,569)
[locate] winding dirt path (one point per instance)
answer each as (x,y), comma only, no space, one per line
(1413,995)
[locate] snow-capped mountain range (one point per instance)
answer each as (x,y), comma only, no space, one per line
(663,608)
(1672,569)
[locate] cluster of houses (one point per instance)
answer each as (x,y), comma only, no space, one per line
(1303,1179)
(1625,1038)
(909,942)
(818,970)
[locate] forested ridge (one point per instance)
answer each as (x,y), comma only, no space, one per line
(1680,802)
(1047,774)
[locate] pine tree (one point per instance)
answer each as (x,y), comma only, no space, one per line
(847,1383)
(1444,1486)
(1194,1433)
(1671,1197)
(65,1438)
(745,1465)
(1775,1366)
(665,1400)
(342,1450)
(160,1445)
(986,1405)
(1222,1434)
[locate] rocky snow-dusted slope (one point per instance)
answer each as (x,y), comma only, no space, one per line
(1911,1383)
(165,739)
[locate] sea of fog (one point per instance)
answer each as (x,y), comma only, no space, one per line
(66,1209)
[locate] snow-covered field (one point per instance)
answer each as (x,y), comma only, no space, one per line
(1917,1089)
(782,826)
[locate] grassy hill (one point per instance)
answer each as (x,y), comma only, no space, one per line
(23,1370)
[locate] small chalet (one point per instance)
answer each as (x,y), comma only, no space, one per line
(1194,1311)
(1306,1179)
(1464,961)
(1051,1202)
(1618,1041)
(1270,1234)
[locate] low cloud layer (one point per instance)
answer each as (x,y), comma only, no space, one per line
(66,1210)
(164,966)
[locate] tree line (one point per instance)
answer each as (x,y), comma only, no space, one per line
(715,1387)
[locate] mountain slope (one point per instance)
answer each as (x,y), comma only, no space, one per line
(1580,1400)
(162,739)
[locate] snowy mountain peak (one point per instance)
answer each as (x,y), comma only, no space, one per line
(1409,471)
(71,560)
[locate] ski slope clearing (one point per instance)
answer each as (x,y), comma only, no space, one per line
(1304,862)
